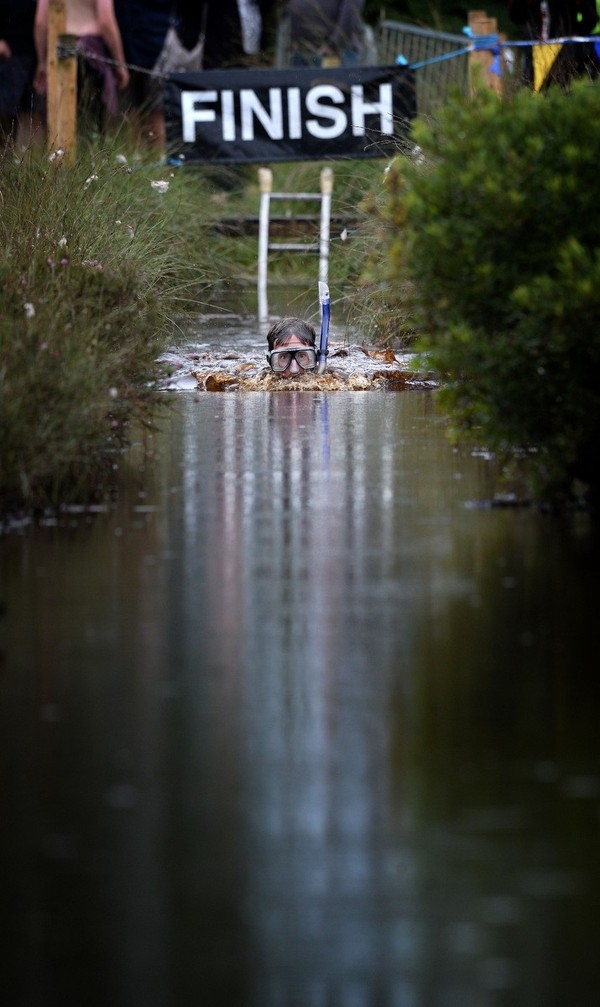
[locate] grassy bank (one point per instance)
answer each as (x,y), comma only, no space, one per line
(90,279)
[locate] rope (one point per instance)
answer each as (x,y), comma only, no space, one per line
(484,42)
(551,41)
(435,59)
(64,51)
(492,43)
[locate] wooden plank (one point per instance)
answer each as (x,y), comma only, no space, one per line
(282,226)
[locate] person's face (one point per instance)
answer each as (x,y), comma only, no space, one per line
(297,363)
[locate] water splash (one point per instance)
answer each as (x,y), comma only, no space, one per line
(227,354)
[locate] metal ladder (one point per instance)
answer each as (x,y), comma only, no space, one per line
(265,179)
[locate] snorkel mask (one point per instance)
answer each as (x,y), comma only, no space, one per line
(281,357)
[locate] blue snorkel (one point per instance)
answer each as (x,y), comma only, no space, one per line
(325,303)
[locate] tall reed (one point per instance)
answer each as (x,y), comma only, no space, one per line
(90,276)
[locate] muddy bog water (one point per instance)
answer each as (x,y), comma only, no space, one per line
(299,723)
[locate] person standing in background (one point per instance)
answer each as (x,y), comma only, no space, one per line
(144,25)
(544,20)
(236,32)
(326,32)
(101,70)
(17,67)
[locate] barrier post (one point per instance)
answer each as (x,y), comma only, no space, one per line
(61,89)
(481,60)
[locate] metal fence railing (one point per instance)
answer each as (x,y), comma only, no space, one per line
(441,59)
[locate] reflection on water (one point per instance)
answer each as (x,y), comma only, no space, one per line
(300,727)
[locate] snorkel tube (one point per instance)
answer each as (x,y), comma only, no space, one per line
(325,303)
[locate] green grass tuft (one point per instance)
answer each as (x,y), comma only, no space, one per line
(91,277)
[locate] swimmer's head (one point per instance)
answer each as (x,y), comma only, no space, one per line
(291,347)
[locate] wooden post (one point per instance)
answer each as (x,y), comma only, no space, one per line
(57,22)
(480,60)
(61,94)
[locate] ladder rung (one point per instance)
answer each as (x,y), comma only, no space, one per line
(296,195)
(284,247)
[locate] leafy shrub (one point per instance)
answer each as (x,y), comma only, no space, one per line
(499,232)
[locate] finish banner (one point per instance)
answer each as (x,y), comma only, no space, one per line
(292,114)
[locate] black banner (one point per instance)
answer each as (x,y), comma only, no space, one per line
(295,114)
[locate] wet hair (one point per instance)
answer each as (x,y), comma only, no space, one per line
(285,328)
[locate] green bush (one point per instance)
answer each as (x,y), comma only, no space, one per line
(90,277)
(499,233)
